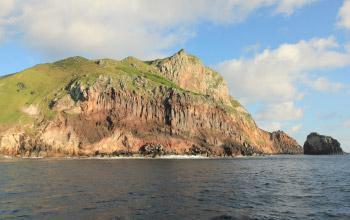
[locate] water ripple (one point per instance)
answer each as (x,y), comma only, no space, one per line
(277,187)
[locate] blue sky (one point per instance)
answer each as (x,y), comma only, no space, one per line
(287,61)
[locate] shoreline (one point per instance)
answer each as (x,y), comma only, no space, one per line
(136,157)
(163,157)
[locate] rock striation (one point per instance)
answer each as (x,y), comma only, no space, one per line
(174,105)
(317,144)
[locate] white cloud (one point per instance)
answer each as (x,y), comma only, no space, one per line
(288,7)
(273,76)
(270,74)
(344,15)
(271,126)
(6,7)
(280,111)
(295,128)
(124,27)
(323,84)
(275,126)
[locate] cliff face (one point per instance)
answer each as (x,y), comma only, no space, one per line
(189,73)
(170,106)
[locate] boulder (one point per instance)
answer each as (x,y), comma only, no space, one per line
(152,150)
(234,149)
(317,144)
(199,150)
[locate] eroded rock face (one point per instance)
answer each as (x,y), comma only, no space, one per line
(11,143)
(284,143)
(190,73)
(19,143)
(123,115)
(317,144)
(235,149)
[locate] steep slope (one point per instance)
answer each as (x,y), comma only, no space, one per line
(174,105)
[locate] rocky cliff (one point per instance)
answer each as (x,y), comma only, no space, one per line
(317,144)
(174,105)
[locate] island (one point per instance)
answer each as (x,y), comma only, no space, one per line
(170,106)
(317,144)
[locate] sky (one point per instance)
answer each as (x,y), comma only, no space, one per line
(286,61)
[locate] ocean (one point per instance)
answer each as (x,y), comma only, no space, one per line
(263,187)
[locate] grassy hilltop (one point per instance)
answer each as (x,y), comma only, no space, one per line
(39,85)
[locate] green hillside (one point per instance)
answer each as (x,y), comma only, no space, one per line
(39,85)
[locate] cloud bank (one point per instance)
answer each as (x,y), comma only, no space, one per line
(109,28)
(274,76)
(344,15)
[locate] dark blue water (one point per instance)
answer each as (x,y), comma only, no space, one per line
(277,187)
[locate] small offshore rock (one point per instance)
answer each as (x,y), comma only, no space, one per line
(317,144)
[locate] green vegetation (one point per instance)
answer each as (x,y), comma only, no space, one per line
(194,59)
(40,85)
(218,79)
(235,103)
(30,87)
(37,86)
(135,70)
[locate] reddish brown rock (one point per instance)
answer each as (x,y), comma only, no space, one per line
(120,116)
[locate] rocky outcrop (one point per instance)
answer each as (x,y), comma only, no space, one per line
(170,106)
(190,73)
(284,143)
(152,150)
(317,144)
(11,143)
(234,149)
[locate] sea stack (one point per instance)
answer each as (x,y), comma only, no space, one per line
(317,144)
